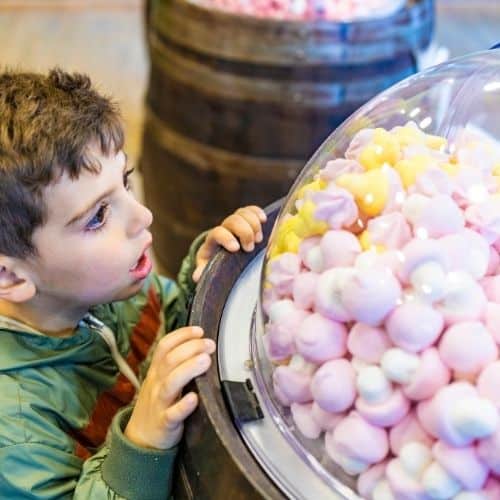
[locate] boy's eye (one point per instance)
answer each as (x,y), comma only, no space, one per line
(126,181)
(98,221)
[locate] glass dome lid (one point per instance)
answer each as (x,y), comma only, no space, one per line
(378,323)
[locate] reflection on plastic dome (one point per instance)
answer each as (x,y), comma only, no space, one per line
(380,293)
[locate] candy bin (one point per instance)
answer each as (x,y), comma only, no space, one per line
(358,350)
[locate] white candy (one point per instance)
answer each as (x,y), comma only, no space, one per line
(373,385)
(382,491)
(415,458)
(399,365)
(350,465)
(366,260)
(466,251)
(314,259)
(438,484)
(413,206)
(328,298)
(474,417)
(281,309)
(358,364)
(429,281)
(299,364)
(464,297)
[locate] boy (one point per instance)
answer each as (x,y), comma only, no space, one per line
(79,308)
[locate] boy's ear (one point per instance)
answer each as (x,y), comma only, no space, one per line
(15,284)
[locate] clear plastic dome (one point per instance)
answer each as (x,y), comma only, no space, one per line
(376,337)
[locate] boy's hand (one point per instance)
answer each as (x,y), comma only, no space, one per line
(244,225)
(158,416)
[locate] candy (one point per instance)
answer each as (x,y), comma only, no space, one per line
(334,386)
(370,296)
(355,444)
(463,464)
(319,339)
(384,321)
(335,206)
(414,326)
(339,249)
(457,415)
(467,347)
(343,10)
(367,343)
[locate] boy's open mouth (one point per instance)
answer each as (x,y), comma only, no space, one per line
(143,266)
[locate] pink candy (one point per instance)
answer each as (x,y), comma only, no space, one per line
(386,327)
(283,271)
(367,343)
(336,206)
(333,386)
(335,10)
(303,290)
(355,444)
(468,347)
(370,296)
(391,230)
(386,413)
(319,339)
(463,464)
(414,326)
(407,430)
(339,249)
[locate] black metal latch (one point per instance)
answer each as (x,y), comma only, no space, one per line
(242,401)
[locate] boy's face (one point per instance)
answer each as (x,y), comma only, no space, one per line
(93,247)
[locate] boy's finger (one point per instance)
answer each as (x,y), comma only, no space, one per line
(178,412)
(259,212)
(186,351)
(199,270)
(251,217)
(241,229)
(173,339)
(225,238)
(184,373)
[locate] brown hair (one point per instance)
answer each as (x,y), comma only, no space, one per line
(47,123)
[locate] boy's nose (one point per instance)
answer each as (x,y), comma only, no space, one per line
(141,219)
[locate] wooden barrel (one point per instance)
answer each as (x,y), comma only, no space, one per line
(213,461)
(236,104)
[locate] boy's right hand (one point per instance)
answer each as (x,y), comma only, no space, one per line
(158,416)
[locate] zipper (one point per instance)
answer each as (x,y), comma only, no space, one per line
(109,337)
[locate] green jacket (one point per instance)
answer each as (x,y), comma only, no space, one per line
(64,404)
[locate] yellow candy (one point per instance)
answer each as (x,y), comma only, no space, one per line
(435,141)
(408,135)
(366,243)
(410,169)
(370,190)
(310,225)
(496,169)
(316,185)
(297,227)
(451,169)
(384,149)
(291,243)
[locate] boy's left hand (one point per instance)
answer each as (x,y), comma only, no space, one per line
(242,229)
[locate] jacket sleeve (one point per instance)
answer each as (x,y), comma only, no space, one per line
(46,469)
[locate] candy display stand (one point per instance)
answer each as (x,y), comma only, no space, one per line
(394,214)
